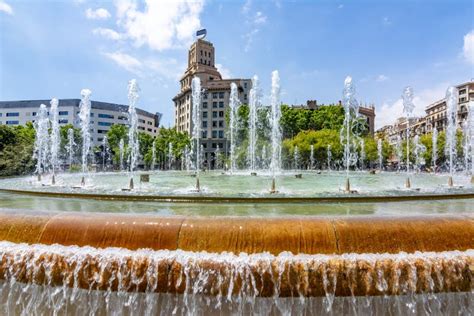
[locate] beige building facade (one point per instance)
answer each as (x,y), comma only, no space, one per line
(215,99)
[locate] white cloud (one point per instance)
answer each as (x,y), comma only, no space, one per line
(381,78)
(224,71)
(98,14)
(125,61)
(246,7)
(391,110)
(107,33)
(161,24)
(468,48)
(340,6)
(260,18)
(5,7)
(249,37)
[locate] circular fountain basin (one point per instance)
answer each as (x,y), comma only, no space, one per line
(238,188)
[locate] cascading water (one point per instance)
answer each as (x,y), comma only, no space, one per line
(217,158)
(41,279)
(254,105)
(351,112)
(408,108)
(379,153)
(263,157)
(470,137)
(466,149)
(196,98)
(55,138)
(121,153)
(153,155)
(296,158)
(451,126)
(275,164)
(71,144)
(187,158)
(434,153)
(85,117)
(311,156)
(133,144)
(234,104)
(41,149)
(170,156)
(362,154)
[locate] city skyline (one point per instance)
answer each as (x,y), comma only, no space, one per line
(313,45)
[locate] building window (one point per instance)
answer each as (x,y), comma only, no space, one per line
(214,123)
(204,105)
(204,134)
(214,105)
(62,113)
(12,114)
(214,95)
(204,114)
(245,96)
(214,134)
(221,95)
(104,123)
(12,122)
(221,104)
(214,145)
(63,121)
(221,134)
(141,121)
(204,95)
(108,116)
(102,131)
(204,124)
(214,114)
(245,85)
(221,123)
(221,113)
(92,114)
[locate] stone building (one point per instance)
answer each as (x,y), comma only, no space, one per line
(215,98)
(103,116)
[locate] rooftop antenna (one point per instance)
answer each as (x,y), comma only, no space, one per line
(201,34)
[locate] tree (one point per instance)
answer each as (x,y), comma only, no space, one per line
(16,149)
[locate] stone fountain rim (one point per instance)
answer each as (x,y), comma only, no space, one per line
(203,198)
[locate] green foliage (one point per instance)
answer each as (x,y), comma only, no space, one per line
(162,141)
(320,141)
(16,149)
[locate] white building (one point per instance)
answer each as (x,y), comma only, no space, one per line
(103,115)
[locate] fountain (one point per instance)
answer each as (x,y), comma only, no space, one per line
(153,155)
(105,153)
(85,118)
(55,138)
(170,156)
(362,154)
(235,247)
(419,151)
(41,150)
(470,137)
(234,104)
(451,127)
(71,144)
(379,153)
(254,105)
(196,98)
(133,144)
(434,153)
(121,153)
(329,156)
(351,111)
(408,108)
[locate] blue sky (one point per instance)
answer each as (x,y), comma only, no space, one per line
(56,48)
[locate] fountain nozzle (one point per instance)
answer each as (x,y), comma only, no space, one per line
(450,181)
(198,186)
(83,181)
(53,179)
(273,188)
(39,177)
(472,179)
(131,184)
(408,183)
(348,186)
